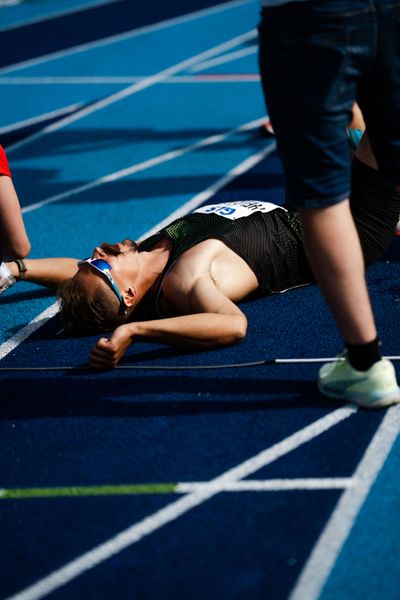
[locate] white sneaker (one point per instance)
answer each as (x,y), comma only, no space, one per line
(375,388)
(6,279)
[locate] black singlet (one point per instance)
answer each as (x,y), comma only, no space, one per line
(271,243)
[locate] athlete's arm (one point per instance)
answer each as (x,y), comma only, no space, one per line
(14,242)
(364,152)
(46,271)
(215,321)
(357,119)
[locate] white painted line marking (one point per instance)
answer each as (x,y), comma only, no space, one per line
(146,164)
(44,117)
(10,345)
(185,487)
(220,60)
(172,511)
(215,187)
(326,551)
(72,80)
(127,35)
(124,79)
(136,88)
(287,445)
(9,2)
(56,15)
(225,78)
(270,485)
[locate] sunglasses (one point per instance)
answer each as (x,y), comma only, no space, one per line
(103,267)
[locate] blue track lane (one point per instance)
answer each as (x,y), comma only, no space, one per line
(62,32)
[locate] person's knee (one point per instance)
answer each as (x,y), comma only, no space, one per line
(21,249)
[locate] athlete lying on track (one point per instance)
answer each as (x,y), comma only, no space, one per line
(181,285)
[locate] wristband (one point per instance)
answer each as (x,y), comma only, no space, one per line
(21,268)
(354,136)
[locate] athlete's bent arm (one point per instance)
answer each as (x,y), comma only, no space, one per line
(14,242)
(215,321)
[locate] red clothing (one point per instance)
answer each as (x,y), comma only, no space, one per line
(4,168)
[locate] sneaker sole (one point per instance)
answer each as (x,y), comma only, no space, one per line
(381,401)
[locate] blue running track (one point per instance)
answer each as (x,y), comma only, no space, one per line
(152,482)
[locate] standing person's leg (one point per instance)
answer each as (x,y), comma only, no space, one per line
(379,94)
(310,80)
(334,253)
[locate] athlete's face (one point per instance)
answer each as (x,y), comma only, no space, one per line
(122,258)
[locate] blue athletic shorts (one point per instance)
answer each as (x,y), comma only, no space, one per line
(316,58)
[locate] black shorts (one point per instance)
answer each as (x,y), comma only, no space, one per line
(375,205)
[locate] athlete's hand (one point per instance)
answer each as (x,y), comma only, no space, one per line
(107,353)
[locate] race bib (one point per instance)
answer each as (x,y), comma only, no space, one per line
(237,210)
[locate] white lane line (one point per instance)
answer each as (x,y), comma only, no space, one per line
(127,35)
(326,551)
(10,345)
(175,509)
(55,15)
(248,485)
(74,80)
(205,195)
(270,485)
(9,2)
(124,80)
(40,118)
(220,60)
(146,164)
(287,445)
(127,79)
(137,87)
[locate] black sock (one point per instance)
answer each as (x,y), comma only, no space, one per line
(363,356)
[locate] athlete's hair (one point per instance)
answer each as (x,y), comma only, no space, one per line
(86,312)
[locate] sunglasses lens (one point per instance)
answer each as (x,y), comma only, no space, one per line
(97,263)
(101,264)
